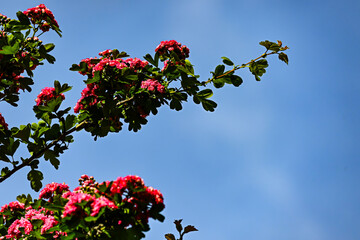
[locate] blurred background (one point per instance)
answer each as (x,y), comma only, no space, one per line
(277,160)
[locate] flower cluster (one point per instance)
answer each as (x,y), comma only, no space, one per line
(126,199)
(167,47)
(43,16)
(53,189)
(3,124)
(88,97)
(152,85)
(47,94)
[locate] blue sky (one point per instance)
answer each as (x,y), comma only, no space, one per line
(277,160)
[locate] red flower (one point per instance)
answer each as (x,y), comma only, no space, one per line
(3,123)
(42,15)
(47,94)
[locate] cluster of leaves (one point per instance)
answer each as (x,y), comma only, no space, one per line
(21,50)
(182,231)
(91,211)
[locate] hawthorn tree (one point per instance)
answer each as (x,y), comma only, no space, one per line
(120,91)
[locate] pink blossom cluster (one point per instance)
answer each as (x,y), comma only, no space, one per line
(13,207)
(152,85)
(134,64)
(14,231)
(48,221)
(47,94)
(53,189)
(41,214)
(86,200)
(43,16)
(166,47)
(3,124)
(88,94)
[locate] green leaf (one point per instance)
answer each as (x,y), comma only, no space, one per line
(23,18)
(219,82)
(9,50)
(178,225)
(283,57)
(4,171)
(70,121)
(175,104)
(227,61)
(219,70)
(75,67)
(189,228)
(49,47)
(209,105)
(236,80)
(35,177)
(170,236)
(23,133)
(52,156)
(206,93)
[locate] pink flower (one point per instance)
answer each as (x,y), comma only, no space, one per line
(72,208)
(47,94)
(152,85)
(52,189)
(87,93)
(14,231)
(40,15)
(100,203)
(165,47)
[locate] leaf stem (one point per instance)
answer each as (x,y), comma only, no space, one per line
(42,151)
(264,55)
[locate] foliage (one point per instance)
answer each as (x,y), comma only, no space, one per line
(119,90)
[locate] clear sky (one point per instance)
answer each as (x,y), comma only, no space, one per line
(277,160)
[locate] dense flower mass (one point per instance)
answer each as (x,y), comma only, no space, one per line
(152,85)
(47,94)
(3,124)
(43,16)
(167,47)
(52,189)
(88,97)
(127,200)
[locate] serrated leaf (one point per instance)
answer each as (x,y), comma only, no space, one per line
(189,228)
(178,225)
(35,177)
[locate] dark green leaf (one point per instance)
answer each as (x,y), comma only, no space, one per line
(219,70)
(35,177)
(23,18)
(190,228)
(49,47)
(219,82)
(209,105)
(206,93)
(283,57)
(236,80)
(227,61)
(170,236)
(178,225)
